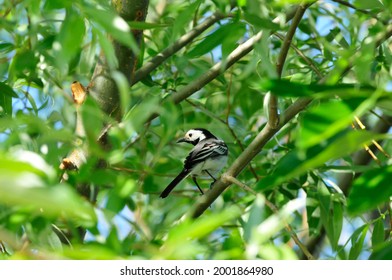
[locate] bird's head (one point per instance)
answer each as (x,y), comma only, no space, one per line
(195,135)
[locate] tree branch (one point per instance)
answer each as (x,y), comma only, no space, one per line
(273,115)
(179,44)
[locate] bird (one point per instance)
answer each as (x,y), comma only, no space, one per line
(206,159)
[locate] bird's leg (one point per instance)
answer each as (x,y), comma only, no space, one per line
(214,180)
(194,180)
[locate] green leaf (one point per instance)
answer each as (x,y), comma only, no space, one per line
(357,239)
(382,253)
(370,190)
(7,93)
(113,24)
(336,34)
(107,48)
(52,239)
(324,121)
(365,62)
(92,119)
(123,89)
(186,16)
(70,38)
(261,23)
(56,4)
(230,42)
(23,65)
(256,216)
(136,117)
(287,88)
(114,202)
(6,48)
(365,4)
(215,39)
(378,235)
(331,215)
(5,105)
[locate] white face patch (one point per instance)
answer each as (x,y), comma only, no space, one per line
(194,134)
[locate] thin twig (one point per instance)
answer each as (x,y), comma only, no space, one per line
(237,182)
(303,56)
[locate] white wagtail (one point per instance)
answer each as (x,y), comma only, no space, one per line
(207,158)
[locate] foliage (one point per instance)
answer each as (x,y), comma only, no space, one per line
(312,180)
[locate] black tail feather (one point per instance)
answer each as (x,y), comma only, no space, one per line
(174,183)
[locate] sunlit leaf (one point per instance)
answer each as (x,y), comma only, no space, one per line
(370,190)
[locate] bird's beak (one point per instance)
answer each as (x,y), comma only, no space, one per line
(181,140)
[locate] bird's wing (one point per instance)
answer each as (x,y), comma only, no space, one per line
(209,148)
